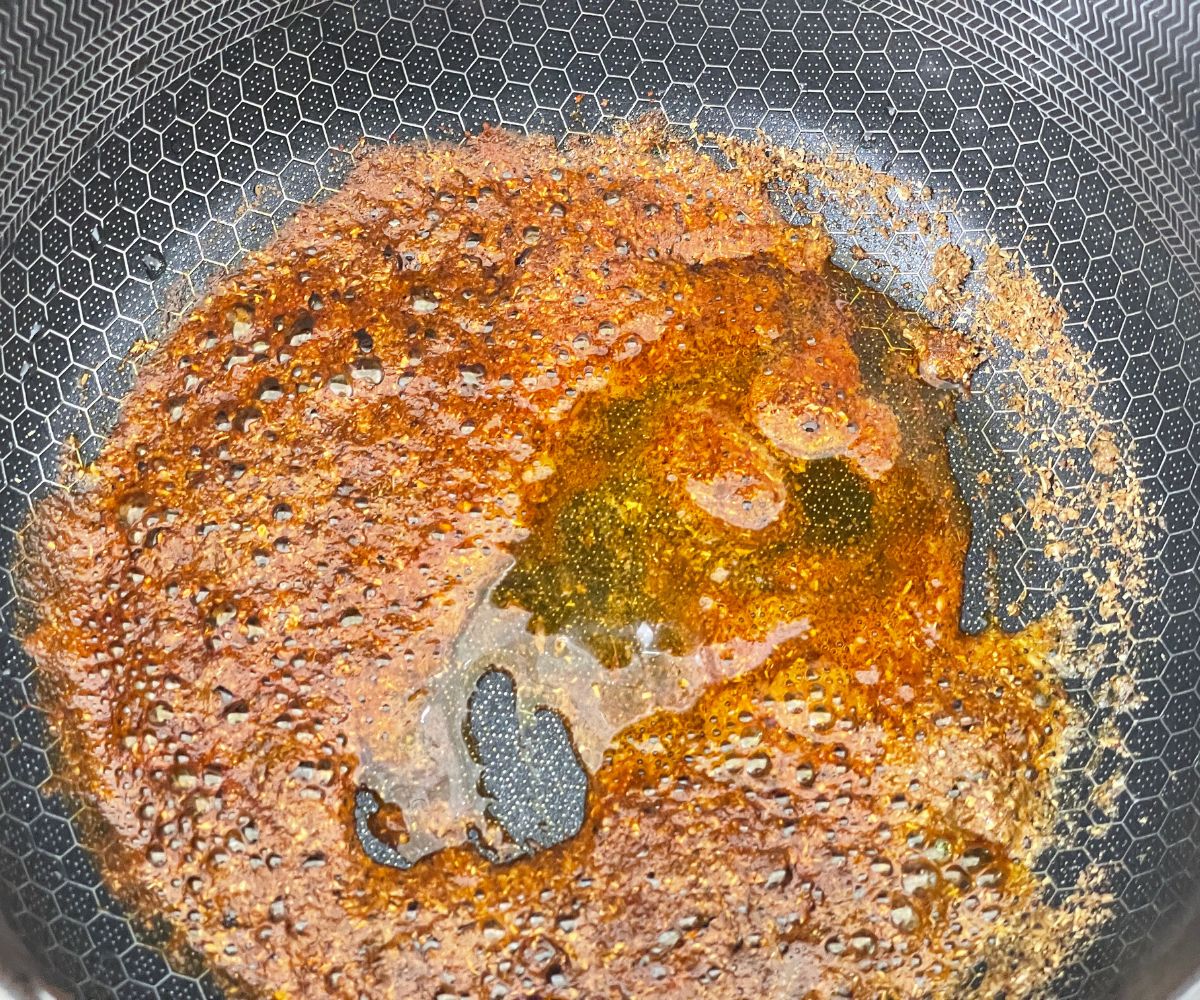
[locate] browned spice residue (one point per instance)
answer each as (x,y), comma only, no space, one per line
(951,267)
(602,414)
(1103,519)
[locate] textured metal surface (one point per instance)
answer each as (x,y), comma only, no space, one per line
(145,146)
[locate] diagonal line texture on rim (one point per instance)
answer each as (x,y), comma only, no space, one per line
(1025,43)
(104,80)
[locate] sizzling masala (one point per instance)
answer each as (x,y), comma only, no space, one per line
(592,435)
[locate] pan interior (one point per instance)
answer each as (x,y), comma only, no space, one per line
(195,130)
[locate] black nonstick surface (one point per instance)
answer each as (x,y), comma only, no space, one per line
(144,146)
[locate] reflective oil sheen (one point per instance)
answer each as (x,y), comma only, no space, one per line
(599,422)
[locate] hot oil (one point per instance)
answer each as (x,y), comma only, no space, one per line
(633,593)
(809,663)
(593,436)
(619,542)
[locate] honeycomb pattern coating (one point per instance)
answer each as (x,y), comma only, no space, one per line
(212,120)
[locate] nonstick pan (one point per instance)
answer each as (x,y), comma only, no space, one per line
(145,146)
